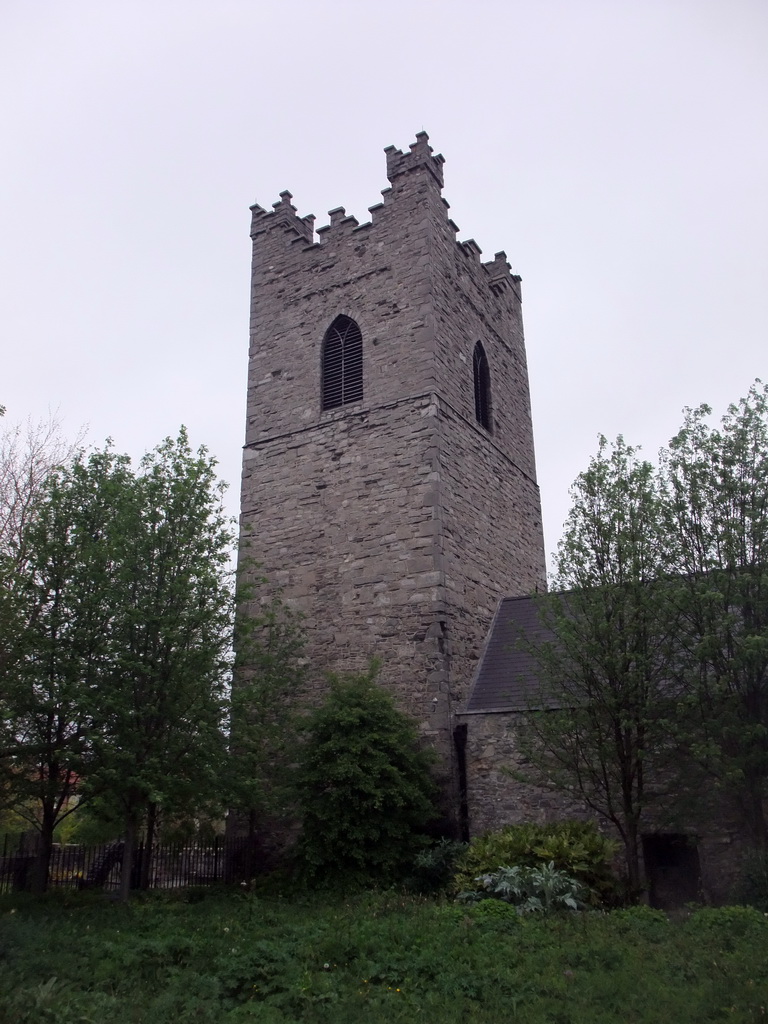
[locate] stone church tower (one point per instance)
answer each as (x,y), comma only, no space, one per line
(389,484)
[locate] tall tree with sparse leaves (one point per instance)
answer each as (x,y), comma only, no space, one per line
(716,518)
(29,453)
(600,724)
(658,673)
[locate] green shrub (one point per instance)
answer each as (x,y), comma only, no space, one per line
(433,868)
(366,789)
(496,911)
(535,890)
(574,847)
(261,969)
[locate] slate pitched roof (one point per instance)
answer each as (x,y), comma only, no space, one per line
(506,678)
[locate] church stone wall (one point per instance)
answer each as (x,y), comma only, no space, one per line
(343,520)
(492,542)
(495,792)
(477,301)
(491,537)
(497,795)
(378,273)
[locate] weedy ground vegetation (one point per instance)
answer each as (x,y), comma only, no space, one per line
(376,957)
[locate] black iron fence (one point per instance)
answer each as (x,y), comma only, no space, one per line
(171,865)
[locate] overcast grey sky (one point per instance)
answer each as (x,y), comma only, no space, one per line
(617,150)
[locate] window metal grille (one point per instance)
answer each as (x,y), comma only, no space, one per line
(482,387)
(342,364)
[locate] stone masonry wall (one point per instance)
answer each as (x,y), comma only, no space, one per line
(492,542)
(473,302)
(491,537)
(497,797)
(494,795)
(343,521)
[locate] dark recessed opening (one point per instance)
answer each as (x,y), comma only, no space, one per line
(672,870)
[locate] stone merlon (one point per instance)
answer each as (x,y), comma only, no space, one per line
(420,155)
(283,216)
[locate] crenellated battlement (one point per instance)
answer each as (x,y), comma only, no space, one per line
(500,274)
(406,182)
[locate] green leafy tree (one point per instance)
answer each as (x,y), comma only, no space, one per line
(659,668)
(366,790)
(158,741)
(606,697)
(118,654)
(716,519)
(60,591)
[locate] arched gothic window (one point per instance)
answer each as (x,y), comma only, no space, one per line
(482,387)
(342,364)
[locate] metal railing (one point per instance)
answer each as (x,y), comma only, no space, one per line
(172,865)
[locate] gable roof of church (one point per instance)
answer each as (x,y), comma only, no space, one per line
(506,678)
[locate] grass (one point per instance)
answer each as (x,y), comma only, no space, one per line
(375,958)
